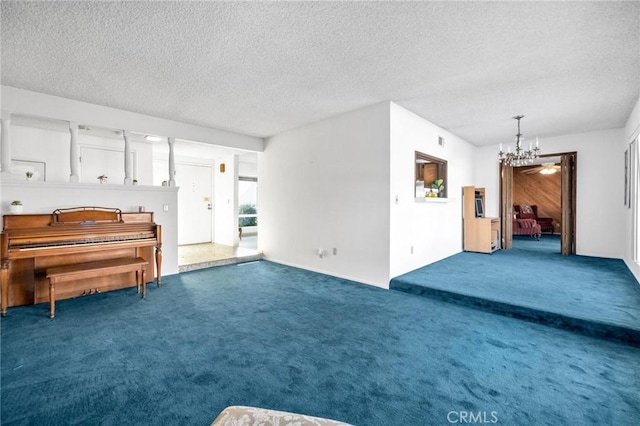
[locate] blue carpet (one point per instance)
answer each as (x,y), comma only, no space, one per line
(268,335)
(534,281)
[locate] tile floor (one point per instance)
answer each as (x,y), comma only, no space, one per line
(199,256)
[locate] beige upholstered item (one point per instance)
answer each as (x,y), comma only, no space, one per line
(252,416)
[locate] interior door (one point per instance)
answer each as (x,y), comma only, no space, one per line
(194,203)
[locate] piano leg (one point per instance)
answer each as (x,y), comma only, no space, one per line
(4,287)
(159,263)
(52,299)
(141,281)
(144,282)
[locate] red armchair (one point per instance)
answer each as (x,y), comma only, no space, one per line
(525,211)
(526,227)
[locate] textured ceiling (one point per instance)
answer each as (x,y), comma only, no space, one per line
(260,68)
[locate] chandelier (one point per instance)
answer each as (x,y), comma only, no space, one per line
(519,157)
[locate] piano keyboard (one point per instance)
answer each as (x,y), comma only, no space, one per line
(107,239)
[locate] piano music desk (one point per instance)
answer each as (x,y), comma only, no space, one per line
(81,271)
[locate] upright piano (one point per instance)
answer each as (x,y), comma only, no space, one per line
(31,243)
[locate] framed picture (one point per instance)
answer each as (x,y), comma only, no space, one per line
(37,169)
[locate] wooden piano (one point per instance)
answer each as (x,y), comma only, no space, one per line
(31,243)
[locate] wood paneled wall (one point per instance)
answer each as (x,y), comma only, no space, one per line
(539,189)
(427,172)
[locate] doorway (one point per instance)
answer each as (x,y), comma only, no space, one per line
(248,212)
(196,249)
(564,217)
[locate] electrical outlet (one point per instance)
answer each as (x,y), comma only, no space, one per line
(165,207)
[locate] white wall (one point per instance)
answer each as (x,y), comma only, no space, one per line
(225,194)
(52,147)
(487,176)
(600,228)
(432,227)
(29,103)
(632,128)
(631,132)
(46,197)
(247,169)
(325,186)
(41,145)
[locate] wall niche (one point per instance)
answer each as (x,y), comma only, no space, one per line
(428,169)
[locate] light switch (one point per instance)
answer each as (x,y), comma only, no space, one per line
(165,207)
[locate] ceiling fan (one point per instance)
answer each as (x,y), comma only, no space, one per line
(544,168)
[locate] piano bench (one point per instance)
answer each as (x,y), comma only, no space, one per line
(79,271)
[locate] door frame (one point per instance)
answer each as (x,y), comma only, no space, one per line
(506,205)
(569,181)
(569,170)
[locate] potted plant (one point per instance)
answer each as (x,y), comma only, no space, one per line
(438,185)
(16,207)
(29,175)
(102,178)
